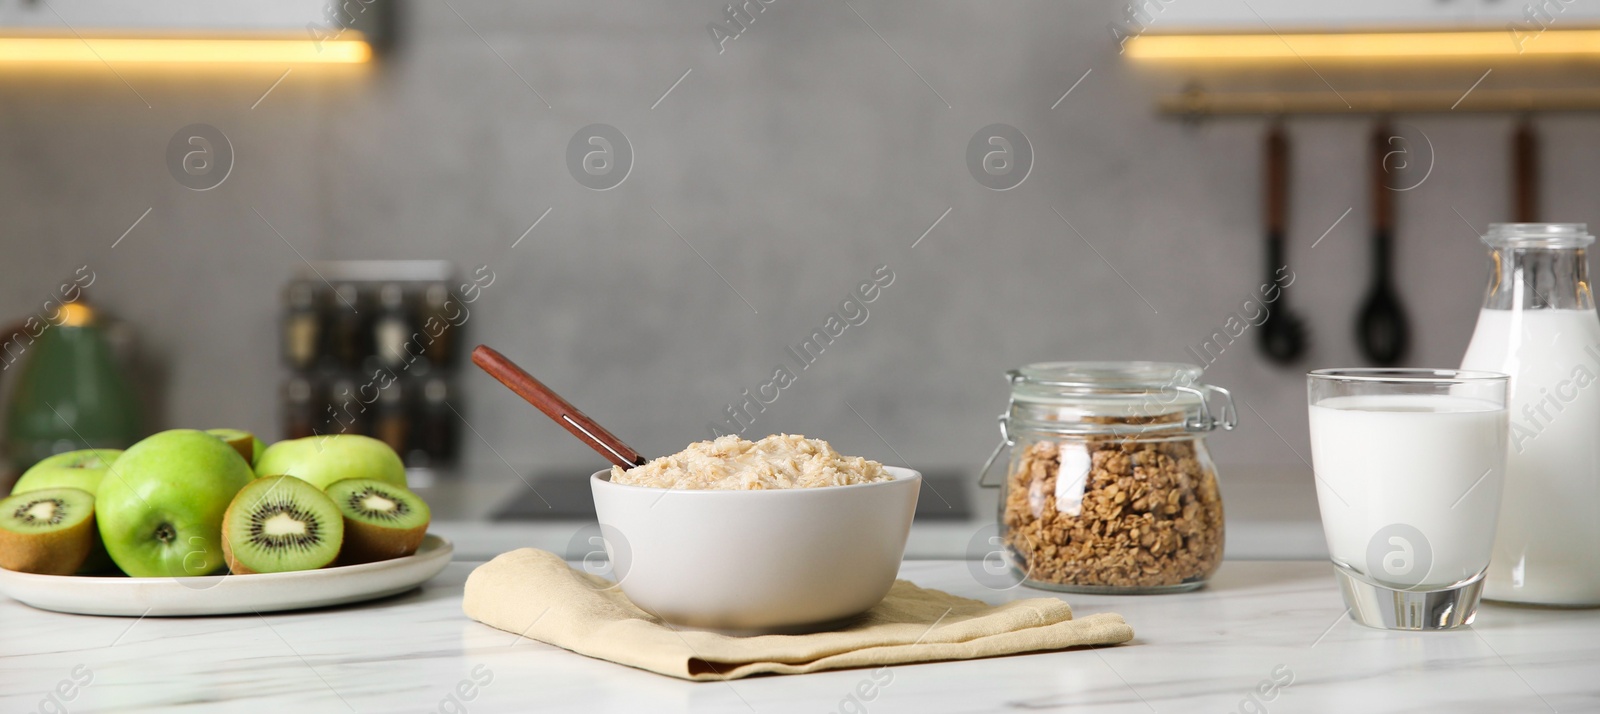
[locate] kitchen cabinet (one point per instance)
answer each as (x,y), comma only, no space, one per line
(188,15)
(1355,15)
(176,31)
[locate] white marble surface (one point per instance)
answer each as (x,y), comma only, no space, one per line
(1198,652)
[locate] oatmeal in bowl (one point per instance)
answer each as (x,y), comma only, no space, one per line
(782,534)
(731,463)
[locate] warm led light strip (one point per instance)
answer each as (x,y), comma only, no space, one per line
(53,50)
(1375,45)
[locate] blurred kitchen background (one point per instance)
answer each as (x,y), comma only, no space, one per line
(769,167)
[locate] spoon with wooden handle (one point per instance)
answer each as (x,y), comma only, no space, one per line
(559,410)
(1381,327)
(1282,336)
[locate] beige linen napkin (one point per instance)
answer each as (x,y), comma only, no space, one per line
(536,594)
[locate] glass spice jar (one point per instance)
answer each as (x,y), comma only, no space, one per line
(1110,488)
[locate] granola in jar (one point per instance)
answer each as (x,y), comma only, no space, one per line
(1111,502)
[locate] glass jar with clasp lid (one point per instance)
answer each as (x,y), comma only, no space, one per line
(1110,488)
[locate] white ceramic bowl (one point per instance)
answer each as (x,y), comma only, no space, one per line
(757,561)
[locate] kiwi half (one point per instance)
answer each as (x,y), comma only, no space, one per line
(82,469)
(381,520)
(49,531)
(278,524)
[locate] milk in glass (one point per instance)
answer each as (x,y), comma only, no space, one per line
(1408,485)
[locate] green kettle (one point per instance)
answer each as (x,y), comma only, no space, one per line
(68,392)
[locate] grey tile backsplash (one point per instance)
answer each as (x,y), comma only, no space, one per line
(766,186)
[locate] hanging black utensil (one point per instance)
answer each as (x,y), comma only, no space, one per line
(1525,172)
(1381,327)
(1282,335)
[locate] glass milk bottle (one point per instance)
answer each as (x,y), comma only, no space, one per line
(1538,325)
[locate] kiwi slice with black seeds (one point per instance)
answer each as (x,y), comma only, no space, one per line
(381,520)
(279,524)
(50,531)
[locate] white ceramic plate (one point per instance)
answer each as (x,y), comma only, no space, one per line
(228,594)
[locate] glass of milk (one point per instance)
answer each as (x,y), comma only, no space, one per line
(1409,467)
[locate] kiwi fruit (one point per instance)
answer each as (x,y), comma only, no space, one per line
(277,524)
(49,531)
(244,442)
(83,469)
(381,520)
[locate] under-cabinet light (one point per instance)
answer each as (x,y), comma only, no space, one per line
(1370,45)
(114,50)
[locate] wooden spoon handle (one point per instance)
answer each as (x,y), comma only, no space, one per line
(1277,180)
(1526,172)
(1382,203)
(559,410)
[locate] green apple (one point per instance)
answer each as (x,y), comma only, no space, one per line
(81,469)
(242,441)
(160,507)
(322,460)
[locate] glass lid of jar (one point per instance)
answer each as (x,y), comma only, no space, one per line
(1161,400)
(1103,396)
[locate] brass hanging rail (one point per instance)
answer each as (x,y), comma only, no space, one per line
(1201,103)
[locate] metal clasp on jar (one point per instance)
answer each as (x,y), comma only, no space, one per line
(1228,416)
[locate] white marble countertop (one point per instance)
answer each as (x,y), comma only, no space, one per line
(1206,651)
